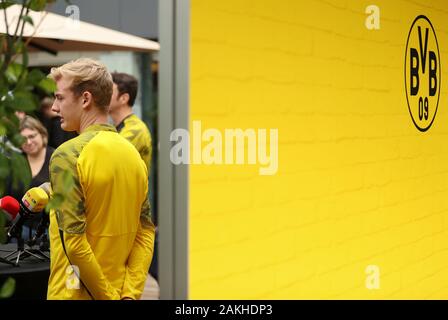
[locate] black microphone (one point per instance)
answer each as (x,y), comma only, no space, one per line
(40,229)
(44,221)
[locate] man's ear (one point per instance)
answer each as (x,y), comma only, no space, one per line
(124,98)
(86,99)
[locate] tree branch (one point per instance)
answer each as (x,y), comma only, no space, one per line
(28,40)
(24,22)
(6,20)
(20,20)
(8,52)
(23,49)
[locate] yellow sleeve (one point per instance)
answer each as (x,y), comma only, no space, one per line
(71,212)
(140,257)
(81,255)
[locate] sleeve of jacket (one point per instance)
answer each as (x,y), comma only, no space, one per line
(81,255)
(140,257)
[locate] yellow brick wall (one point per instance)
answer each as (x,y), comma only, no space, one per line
(357,183)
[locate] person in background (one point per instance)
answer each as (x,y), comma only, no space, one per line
(52,122)
(36,149)
(38,154)
(131,127)
(127,123)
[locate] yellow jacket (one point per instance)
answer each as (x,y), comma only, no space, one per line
(101,237)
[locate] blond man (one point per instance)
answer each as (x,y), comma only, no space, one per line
(101,236)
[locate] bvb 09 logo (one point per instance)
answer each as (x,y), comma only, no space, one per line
(422,73)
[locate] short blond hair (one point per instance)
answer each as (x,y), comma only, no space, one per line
(33,124)
(87,75)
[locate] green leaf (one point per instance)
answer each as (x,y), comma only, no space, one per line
(55,202)
(13,72)
(25,60)
(10,121)
(8,124)
(24,101)
(3,83)
(38,5)
(19,47)
(7,289)
(35,77)
(20,170)
(4,167)
(28,19)
(17,139)
(7,4)
(2,130)
(48,85)
(68,180)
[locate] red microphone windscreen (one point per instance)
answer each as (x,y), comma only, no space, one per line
(10,205)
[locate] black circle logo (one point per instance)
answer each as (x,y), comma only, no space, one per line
(422,73)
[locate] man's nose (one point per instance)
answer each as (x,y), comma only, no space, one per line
(54,108)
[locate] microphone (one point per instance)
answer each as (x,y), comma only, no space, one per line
(44,221)
(11,206)
(33,201)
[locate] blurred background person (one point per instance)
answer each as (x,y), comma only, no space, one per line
(38,154)
(131,127)
(36,149)
(127,123)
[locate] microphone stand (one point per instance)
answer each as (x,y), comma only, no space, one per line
(40,235)
(21,252)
